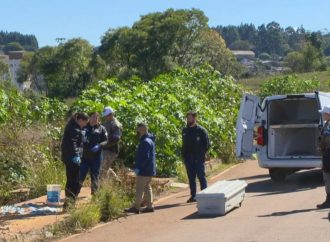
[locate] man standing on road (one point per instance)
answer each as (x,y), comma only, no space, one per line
(325,148)
(145,169)
(195,144)
(111,150)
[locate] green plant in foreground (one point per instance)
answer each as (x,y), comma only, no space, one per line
(108,204)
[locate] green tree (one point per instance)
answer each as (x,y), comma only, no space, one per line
(38,68)
(159,42)
(241,45)
(294,61)
(271,39)
(72,69)
(13,46)
(62,71)
(29,42)
(308,59)
(229,33)
(4,71)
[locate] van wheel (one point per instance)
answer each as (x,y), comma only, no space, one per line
(277,174)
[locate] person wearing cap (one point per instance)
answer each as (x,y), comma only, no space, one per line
(111,150)
(325,149)
(145,169)
(195,144)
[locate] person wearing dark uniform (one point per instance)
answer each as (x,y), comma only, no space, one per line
(195,144)
(96,138)
(72,149)
(325,149)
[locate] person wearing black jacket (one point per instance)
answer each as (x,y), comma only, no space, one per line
(96,138)
(72,149)
(195,144)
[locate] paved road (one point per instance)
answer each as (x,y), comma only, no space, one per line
(270,212)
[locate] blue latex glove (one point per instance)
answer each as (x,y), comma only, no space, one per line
(76,160)
(96,148)
(137,171)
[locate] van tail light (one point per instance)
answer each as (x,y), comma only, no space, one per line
(261,136)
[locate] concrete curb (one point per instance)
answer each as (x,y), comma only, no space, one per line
(217,176)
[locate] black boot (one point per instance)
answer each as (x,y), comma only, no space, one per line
(68,204)
(325,204)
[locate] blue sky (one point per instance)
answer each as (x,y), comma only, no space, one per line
(90,19)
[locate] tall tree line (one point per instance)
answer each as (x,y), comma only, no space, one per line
(17,41)
(270,38)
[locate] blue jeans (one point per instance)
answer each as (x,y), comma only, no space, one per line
(93,167)
(195,167)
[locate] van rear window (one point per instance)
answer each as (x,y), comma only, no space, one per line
(293,111)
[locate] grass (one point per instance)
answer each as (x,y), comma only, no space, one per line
(108,204)
(218,167)
(253,84)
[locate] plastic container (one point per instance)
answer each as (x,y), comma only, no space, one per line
(221,197)
(53,194)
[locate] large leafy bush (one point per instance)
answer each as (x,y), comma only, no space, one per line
(290,84)
(163,103)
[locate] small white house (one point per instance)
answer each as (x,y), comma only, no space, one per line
(15,58)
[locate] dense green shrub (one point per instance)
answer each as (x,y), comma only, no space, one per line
(287,85)
(31,128)
(163,103)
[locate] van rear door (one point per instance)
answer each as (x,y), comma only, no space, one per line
(247,117)
(323,99)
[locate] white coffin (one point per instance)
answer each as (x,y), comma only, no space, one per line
(220,197)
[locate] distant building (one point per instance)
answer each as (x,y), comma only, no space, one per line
(13,60)
(244,54)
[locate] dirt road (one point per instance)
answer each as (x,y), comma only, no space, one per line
(270,212)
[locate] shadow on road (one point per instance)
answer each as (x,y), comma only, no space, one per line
(305,180)
(167,206)
(284,213)
(197,216)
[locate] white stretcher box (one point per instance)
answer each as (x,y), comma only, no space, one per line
(220,197)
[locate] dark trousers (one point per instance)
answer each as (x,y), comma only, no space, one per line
(93,167)
(195,167)
(72,186)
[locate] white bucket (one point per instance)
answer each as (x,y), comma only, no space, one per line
(53,194)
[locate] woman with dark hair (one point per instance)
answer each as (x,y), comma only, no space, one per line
(72,149)
(96,139)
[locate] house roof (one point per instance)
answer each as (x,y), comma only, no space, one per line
(249,53)
(15,55)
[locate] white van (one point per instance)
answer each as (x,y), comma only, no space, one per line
(283,131)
